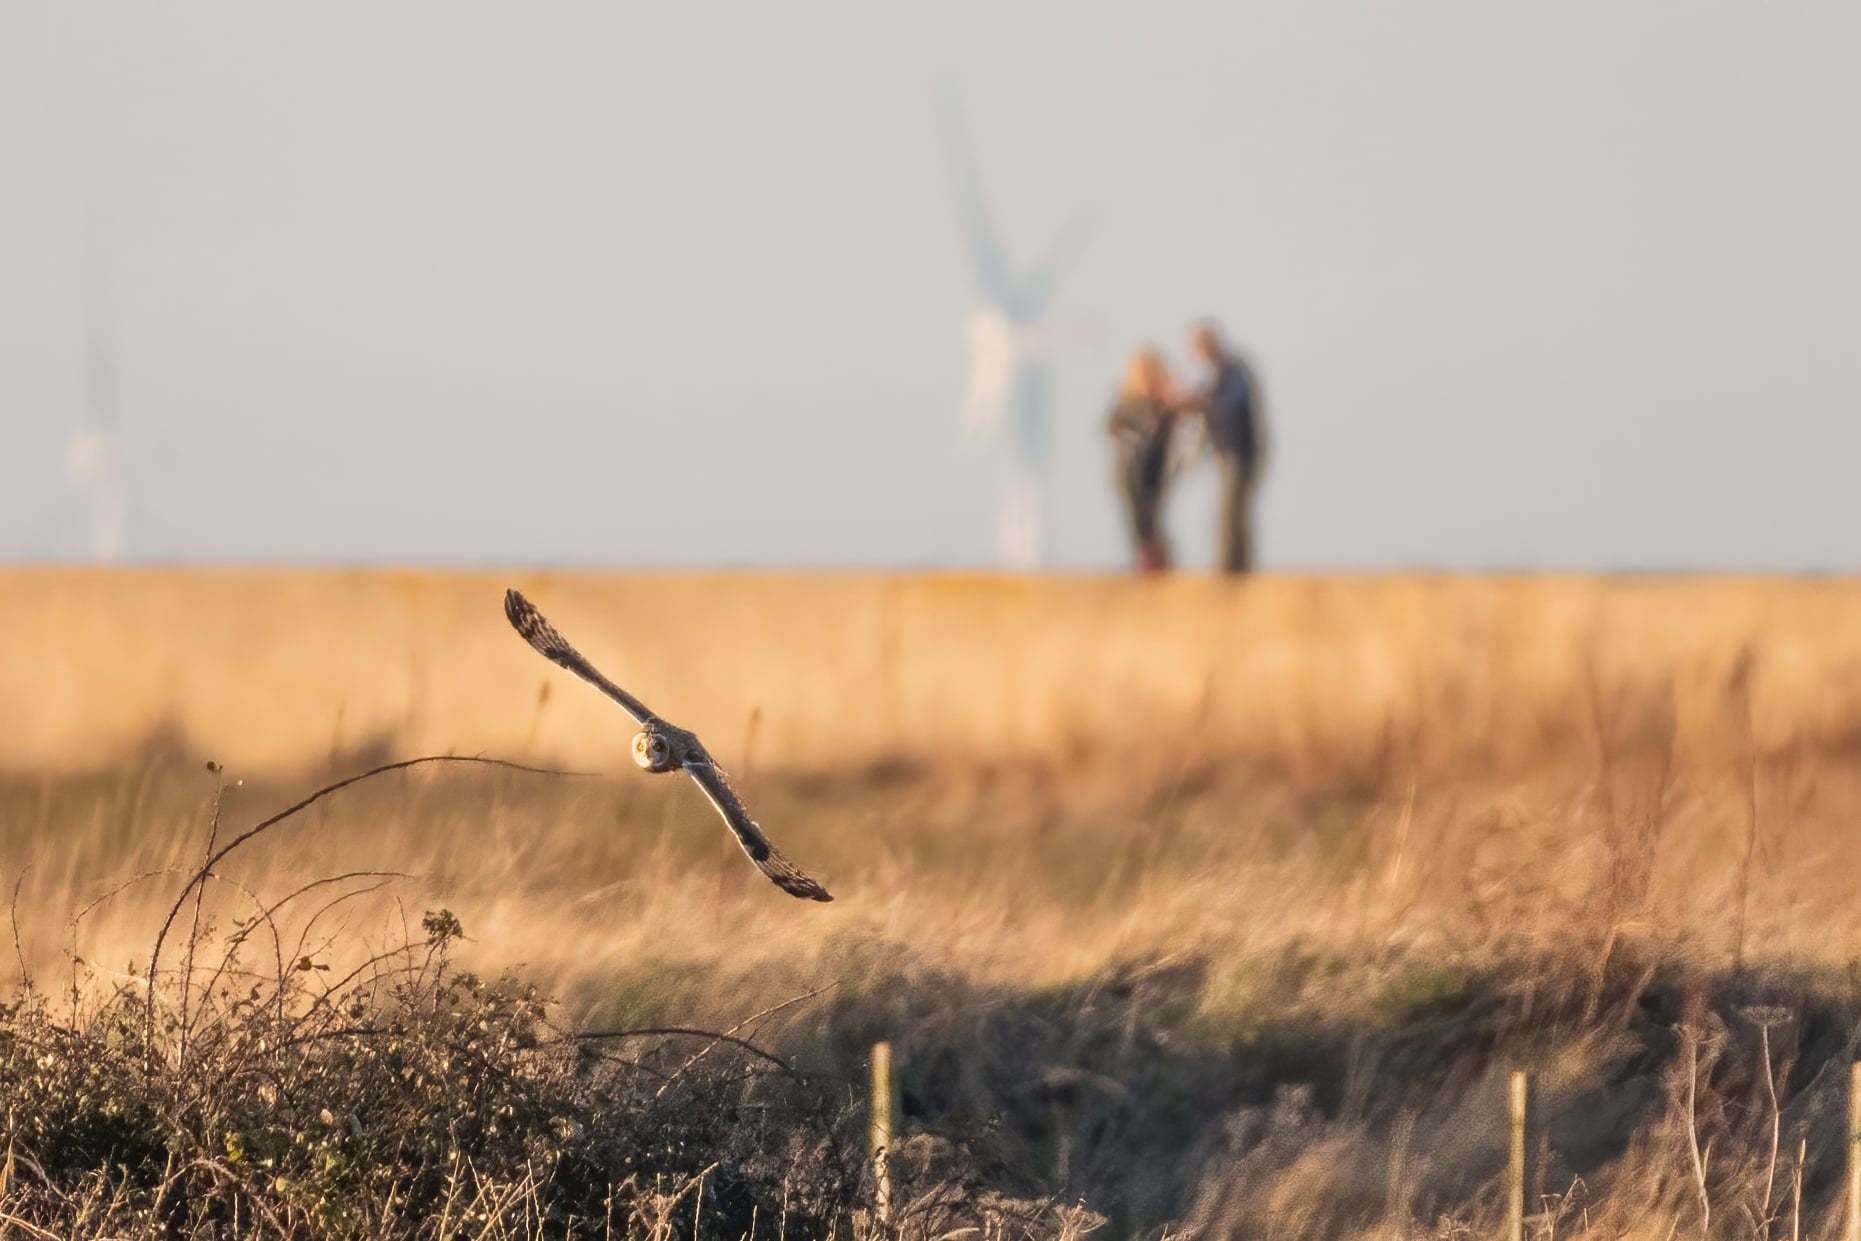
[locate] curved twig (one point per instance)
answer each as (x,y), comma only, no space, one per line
(588,1036)
(200,899)
(706,1050)
(267,917)
(200,876)
(19,946)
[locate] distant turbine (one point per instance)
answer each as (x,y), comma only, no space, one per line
(99,473)
(99,514)
(1009,395)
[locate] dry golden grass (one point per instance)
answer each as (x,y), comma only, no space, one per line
(272,671)
(1245,953)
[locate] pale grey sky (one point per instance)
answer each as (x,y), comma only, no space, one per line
(1565,285)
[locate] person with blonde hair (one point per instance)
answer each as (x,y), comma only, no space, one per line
(1141,424)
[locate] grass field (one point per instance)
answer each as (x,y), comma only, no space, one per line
(1247,955)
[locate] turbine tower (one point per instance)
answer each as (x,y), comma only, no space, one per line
(99,472)
(100,515)
(1009,393)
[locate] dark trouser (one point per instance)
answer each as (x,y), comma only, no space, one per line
(1237,513)
(1141,479)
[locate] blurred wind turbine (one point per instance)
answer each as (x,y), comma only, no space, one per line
(98,514)
(99,471)
(1009,394)
(96,510)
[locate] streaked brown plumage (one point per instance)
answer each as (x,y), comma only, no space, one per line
(660,747)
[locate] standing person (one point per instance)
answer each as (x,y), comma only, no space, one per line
(1230,407)
(1140,426)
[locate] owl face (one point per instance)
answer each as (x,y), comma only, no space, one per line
(651,751)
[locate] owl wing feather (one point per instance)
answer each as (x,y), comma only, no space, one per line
(542,635)
(696,761)
(708,776)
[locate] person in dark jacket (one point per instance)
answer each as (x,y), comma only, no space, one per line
(1230,408)
(1140,426)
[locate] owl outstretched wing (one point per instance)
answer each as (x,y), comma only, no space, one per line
(708,776)
(691,754)
(542,635)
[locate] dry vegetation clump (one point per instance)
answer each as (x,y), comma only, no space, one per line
(1220,998)
(257,1090)
(284,1080)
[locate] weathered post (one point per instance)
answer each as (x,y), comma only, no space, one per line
(884,1112)
(1853,1230)
(1518,1111)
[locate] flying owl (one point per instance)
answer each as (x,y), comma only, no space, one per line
(660,747)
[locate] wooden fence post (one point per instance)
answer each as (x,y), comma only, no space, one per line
(1518,1112)
(1852,1231)
(884,1113)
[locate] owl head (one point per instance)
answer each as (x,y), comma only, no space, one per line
(652,751)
